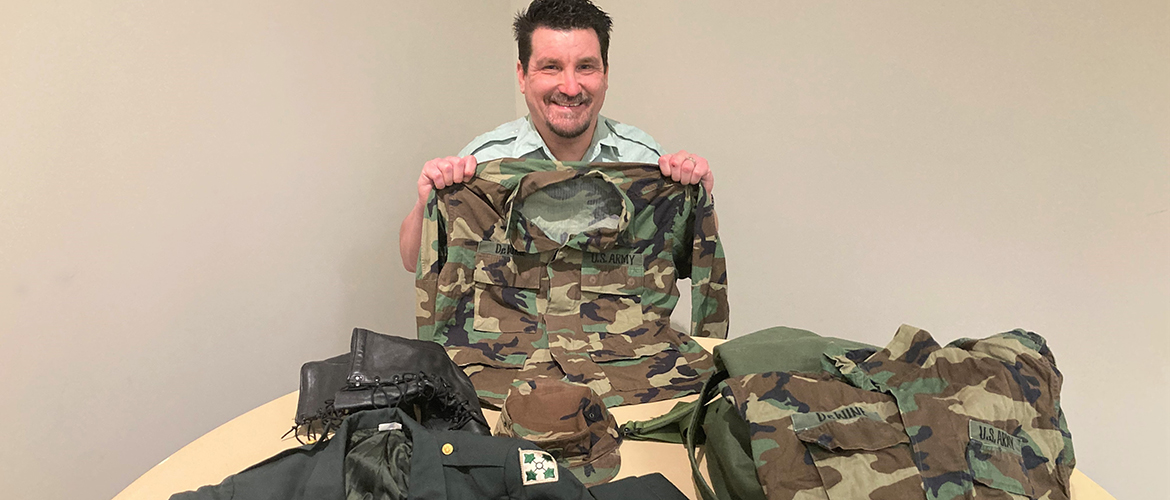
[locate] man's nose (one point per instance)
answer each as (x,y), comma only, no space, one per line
(569,84)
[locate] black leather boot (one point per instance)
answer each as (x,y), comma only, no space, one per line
(383,370)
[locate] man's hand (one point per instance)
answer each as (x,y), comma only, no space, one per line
(442,172)
(436,174)
(687,168)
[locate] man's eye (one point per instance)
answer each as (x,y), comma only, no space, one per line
(549,67)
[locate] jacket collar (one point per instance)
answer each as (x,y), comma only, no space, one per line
(327,480)
(523,235)
(910,345)
(910,349)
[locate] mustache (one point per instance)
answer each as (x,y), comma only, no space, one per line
(563,99)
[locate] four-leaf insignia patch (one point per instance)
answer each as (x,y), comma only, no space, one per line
(537,467)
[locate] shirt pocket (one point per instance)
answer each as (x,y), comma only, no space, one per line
(492,362)
(996,459)
(506,290)
(505,351)
(607,347)
(634,360)
(611,291)
(858,455)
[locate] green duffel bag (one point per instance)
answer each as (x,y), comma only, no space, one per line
(711,421)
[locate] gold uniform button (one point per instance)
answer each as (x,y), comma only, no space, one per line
(448,449)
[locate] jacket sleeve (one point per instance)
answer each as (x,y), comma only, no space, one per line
(709,310)
(432,255)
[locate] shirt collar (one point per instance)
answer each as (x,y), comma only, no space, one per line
(528,141)
(603,137)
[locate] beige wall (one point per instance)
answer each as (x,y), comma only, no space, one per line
(196,197)
(963,167)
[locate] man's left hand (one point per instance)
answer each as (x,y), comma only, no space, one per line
(687,168)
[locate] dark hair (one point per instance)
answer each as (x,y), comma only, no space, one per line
(561,15)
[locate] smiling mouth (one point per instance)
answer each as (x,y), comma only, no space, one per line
(569,110)
(566,102)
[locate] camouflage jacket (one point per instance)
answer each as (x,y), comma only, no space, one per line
(567,270)
(974,419)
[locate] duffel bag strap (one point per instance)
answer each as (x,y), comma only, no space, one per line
(710,388)
(667,428)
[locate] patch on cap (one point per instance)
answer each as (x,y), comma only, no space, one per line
(537,467)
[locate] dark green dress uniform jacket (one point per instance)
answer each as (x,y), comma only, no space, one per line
(476,467)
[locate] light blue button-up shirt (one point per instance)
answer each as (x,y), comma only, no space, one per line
(612,141)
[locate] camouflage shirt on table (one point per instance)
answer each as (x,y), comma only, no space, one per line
(974,419)
(547,269)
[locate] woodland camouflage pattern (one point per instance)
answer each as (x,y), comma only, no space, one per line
(567,270)
(567,420)
(974,419)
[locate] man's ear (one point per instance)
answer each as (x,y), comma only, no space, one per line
(520,75)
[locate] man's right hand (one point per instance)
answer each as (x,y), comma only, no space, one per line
(442,172)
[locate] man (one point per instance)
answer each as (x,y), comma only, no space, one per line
(563,72)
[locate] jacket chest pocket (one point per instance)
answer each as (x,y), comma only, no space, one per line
(856,452)
(611,291)
(507,288)
(996,459)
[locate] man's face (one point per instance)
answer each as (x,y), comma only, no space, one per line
(565,83)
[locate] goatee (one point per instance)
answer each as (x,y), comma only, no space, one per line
(561,99)
(572,132)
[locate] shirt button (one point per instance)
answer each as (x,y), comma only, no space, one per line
(631,281)
(448,449)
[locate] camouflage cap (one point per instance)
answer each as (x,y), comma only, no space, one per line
(567,420)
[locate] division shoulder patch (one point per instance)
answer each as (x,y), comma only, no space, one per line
(537,467)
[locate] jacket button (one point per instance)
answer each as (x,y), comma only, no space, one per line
(448,449)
